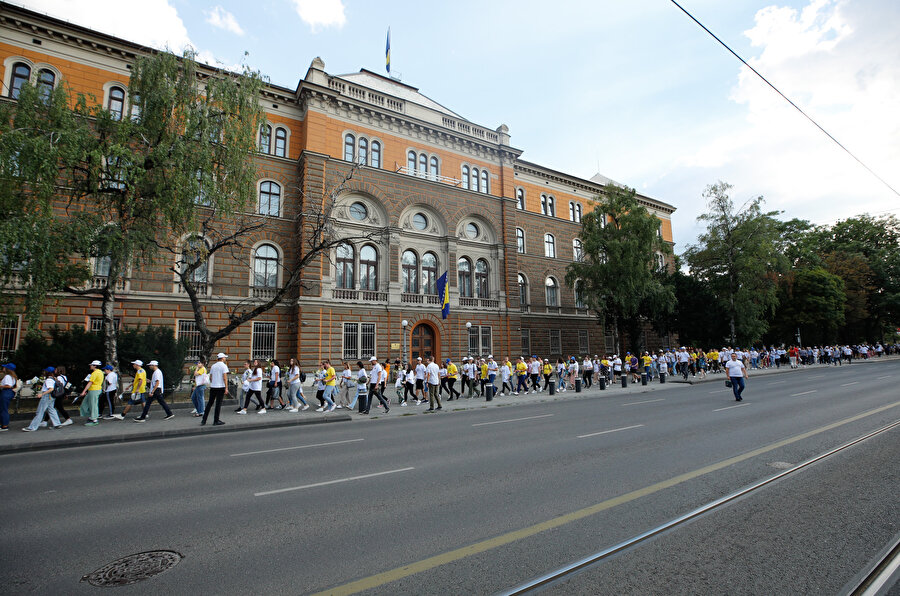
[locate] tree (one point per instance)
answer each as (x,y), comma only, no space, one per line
(698,318)
(620,246)
(127,180)
(811,301)
(738,256)
(854,271)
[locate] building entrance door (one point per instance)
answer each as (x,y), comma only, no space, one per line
(422,344)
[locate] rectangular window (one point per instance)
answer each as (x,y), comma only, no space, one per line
(555,342)
(359,341)
(188,330)
(95,324)
(480,340)
(9,337)
(584,345)
(486,340)
(526,341)
(473,340)
(263,341)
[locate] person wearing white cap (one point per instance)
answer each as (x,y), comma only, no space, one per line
(218,387)
(420,381)
(138,388)
(89,407)
(156,392)
(374,381)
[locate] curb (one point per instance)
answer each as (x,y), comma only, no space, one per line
(784,369)
(9,448)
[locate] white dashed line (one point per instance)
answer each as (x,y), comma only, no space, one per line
(649,401)
(512,420)
(615,430)
(804,393)
(848,384)
(297,447)
(284,490)
(731,407)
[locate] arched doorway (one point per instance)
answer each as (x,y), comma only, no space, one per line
(423,342)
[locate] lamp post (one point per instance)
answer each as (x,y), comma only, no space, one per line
(404,323)
(468,327)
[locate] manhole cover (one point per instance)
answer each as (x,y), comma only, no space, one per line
(781,465)
(133,568)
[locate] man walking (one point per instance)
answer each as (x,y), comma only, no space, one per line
(218,387)
(89,407)
(737,372)
(156,392)
(433,379)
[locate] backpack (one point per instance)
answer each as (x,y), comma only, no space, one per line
(302,377)
(59,389)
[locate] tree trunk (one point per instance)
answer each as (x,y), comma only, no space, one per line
(107,312)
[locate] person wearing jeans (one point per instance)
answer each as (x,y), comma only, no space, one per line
(156,392)
(218,388)
(737,372)
(198,395)
(45,404)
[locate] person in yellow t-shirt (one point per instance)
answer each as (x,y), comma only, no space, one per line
(89,407)
(201,381)
(138,388)
(521,376)
(330,381)
(452,376)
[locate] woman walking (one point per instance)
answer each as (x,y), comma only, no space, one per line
(45,405)
(295,387)
(255,389)
(201,382)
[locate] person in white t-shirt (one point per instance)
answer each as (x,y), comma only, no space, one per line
(110,388)
(46,403)
(737,372)
(255,390)
(157,388)
(433,379)
(218,388)
(420,381)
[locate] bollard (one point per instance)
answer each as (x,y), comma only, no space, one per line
(662,377)
(552,387)
(577,385)
(489,392)
(602,383)
(644,379)
(624,380)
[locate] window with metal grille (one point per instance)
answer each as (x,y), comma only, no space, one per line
(95,324)
(555,342)
(9,337)
(526,342)
(366,340)
(480,340)
(473,340)
(359,341)
(351,341)
(486,340)
(263,341)
(584,345)
(188,330)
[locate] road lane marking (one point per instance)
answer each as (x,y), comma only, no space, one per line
(512,420)
(777,382)
(649,401)
(731,407)
(615,430)
(297,447)
(816,377)
(848,384)
(293,488)
(803,393)
(884,377)
(398,573)
(720,391)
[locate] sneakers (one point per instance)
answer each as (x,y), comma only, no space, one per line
(261,411)
(218,423)
(304,408)
(91,423)
(293,410)
(241,412)
(403,405)
(139,419)
(501,395)
(67,422)
(109,417)
(118,417)
(43,424)
(194,411)
(320,409)
(331,409)
(29,429)
(169,417)
(515,393)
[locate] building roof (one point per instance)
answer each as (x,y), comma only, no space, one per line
(601,179)
(390,86)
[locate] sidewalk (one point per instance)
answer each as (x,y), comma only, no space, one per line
(184,424)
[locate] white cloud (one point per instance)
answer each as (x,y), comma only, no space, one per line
(837,61)
(321,13)
(154,23)
(221,18)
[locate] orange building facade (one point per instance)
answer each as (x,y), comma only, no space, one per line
(431,192)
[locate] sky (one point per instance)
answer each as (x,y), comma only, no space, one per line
(633,90)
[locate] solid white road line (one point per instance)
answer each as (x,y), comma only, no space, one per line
(884,377)
(804,393)
(720,391)
(512,420)
(615,430)
(731,407)
(848,384)
(649,401)
(777,382)
(297,447)
(285,490)
(816,377)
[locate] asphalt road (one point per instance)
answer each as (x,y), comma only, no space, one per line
(478,501)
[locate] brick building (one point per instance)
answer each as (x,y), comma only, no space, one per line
(443,194)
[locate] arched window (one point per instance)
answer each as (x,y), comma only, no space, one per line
(473,181)
(465,177)
(101,266)
(482,289)
(363,154)
(552,290)
(45,81)
(135,106)
(464,274)
(411,162)
(409,265)
(344,266)
(571,211)
(434,171)
(520,198)
(349,147)
(265,267)
(192,252)
(578,212)
(577,250)
(484,181)
(523,291)
(543,204)
(270,199)
(368,268)
(265,138)
(551,206)
(520,241)
(376,154)
(21,74)
(429,273)
(549,246)
(280,142)
(116,102)
(660,261)
(423,165)
(579,294)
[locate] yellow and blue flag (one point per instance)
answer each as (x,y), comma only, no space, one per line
(443,290)
(387,52)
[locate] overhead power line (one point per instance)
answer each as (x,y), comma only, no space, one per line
(796,107)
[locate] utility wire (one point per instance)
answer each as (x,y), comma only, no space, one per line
(766,81)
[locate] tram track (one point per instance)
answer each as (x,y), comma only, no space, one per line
(882,575)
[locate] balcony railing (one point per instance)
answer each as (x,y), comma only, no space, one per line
(428,176)
(467,302)
(263,292)
(524,307)
(202,288)
(98,282)
(352,295)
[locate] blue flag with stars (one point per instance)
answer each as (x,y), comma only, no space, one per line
(443,290)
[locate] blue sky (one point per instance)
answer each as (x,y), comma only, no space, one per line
(634,90)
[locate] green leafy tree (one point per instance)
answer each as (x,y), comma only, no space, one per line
(738,256)
(811,301)
(620,246)
(698,318)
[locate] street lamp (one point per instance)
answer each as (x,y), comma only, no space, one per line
(404,323)
(468,327)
